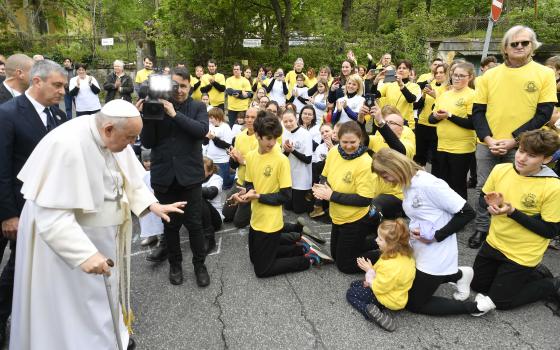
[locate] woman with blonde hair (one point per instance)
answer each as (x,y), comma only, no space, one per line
(436,213)
(348,106)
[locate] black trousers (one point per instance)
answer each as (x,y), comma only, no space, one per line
(191,219)
(7,284)
(453,169)
(421,299)
(426,145)
(389,205)
(507,283)
(210,216)
(348,242)
(301,202)
(272,255)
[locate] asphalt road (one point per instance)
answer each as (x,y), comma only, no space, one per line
(307,310)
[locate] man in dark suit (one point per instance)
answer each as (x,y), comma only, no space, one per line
(177,172)
(24,121)
(17,77)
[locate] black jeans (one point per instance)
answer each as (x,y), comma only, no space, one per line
(348,242)
(421,299)
(272,255)
(426,145)
(7,284)
(453,169)
(191,219)
(507,283)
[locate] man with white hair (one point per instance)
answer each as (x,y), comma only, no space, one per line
(511,98)
(17,77)
(118,84)
(81,183)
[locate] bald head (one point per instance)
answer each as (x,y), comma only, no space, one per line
(16,62)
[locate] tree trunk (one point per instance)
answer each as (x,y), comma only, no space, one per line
(399,9)
(376,13)
(428,5)
(284,20)
(346,11)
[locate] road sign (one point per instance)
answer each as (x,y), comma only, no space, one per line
(107,41)
(496,9)
(251,42)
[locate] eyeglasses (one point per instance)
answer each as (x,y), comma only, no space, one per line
(523,43)
(390,122)
(459,76)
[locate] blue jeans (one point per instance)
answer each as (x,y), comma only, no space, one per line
(223,171)
(68,102)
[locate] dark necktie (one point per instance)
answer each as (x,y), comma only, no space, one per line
(51,124)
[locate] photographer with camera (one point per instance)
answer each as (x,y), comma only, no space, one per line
(177,169)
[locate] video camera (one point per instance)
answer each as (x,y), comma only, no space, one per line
(158,86)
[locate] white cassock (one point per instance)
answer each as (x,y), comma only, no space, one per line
(79,198)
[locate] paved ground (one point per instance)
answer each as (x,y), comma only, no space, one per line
(307,310)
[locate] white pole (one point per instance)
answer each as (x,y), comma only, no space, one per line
(488,37)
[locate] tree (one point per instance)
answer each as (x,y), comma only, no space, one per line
(283,16)
(346,11)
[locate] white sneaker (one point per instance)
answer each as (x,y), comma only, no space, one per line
(464,284)
(484,304)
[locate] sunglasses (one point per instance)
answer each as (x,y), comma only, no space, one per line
(515,44)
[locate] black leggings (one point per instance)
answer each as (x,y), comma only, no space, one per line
(426,145)
(421,299)
(348,242)
(453,169)
(507,283)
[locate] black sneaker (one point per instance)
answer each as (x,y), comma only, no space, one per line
(2,334)
(159,253)
(175,274)
(131,344)
(202,277)
(477,238)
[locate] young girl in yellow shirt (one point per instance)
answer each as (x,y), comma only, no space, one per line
(388,279)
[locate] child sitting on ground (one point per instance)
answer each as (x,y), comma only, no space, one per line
(389,279)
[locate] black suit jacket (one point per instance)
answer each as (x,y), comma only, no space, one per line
(21,129)
(5,94)
(176,145)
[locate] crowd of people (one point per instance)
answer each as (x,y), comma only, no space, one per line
(352,149)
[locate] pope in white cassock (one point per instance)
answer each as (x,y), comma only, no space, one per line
(81,183)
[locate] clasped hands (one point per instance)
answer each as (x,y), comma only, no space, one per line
(497,205)
(243,196)
(322,191)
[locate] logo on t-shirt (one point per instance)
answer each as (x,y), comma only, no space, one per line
(416,202)
(531,86)
(347,177)
(460,102)
(267,171)
(529,200)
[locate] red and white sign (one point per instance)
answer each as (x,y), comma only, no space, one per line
(496,9)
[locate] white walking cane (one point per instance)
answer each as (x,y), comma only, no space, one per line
(114,311)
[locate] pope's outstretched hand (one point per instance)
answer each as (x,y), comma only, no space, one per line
(162,210)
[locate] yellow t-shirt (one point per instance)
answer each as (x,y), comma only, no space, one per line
(429,102)
(311,82)
(216,97)
(425,77)
(244,143)
(196,94)
(142,75)
(451,137)
(381,186)
(269,173)
(408,139)
(393,96)
(242,84)
(531,195)
(512,94)
(350,177)
(393,279)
